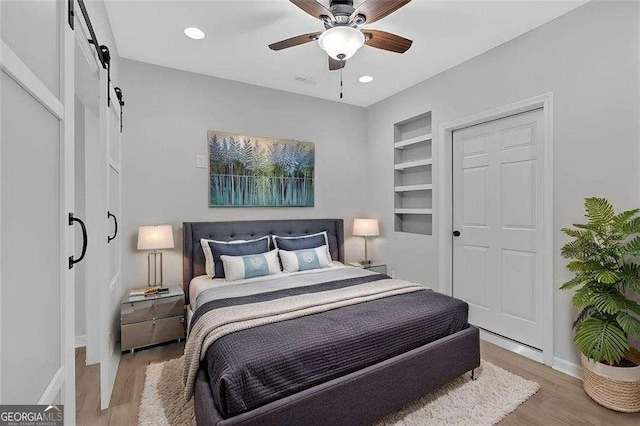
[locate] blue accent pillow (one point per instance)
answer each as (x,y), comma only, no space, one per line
(235,249)
(251,265)
(307,259)
(301,243)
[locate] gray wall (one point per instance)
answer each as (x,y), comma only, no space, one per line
(166,118)
(588,58)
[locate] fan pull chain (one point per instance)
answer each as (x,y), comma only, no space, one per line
(341,82)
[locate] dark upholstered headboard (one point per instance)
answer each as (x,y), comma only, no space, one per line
(193,257)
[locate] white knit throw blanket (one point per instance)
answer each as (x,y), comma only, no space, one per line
(217,323)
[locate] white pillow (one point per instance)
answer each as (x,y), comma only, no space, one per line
(249,266)
(304,260)
(208,256)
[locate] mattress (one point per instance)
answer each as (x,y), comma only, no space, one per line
(250,368)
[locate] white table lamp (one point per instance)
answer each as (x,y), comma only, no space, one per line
(365,228)
(155,237)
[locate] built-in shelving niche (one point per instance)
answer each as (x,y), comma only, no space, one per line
(413,175)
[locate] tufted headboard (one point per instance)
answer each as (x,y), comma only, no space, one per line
(193,257)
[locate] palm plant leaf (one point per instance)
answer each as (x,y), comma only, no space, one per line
(575,281)
(599,210)
(580,266)
(583,315)
(582,297)
(579,249)
(623,218)
(629,323)
(630,275)
(610,301)
(607,277)
(633,306)
(632,248)
(632,226)
(585,234)
(599,339)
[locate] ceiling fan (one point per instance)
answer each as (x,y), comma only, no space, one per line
(341,37)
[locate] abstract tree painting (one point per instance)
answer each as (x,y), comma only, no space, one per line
(259,172)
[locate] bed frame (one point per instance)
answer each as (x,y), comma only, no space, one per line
(359,398)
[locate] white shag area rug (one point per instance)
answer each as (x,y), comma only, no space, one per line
(485,401)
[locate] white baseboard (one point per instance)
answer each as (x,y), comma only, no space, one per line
(512,346)
(81,341)
(567,367)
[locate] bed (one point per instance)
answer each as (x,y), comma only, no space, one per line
(347,364)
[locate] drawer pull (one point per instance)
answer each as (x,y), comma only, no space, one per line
(182,320)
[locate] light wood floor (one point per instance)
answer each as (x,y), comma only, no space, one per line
(560,400)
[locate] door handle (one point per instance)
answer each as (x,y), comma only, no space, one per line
(456,233)
(115,221)
(73,219)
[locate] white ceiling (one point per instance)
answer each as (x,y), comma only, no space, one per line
(445,33)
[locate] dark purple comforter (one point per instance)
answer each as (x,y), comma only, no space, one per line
(250,368)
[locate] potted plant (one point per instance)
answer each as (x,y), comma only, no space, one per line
(606,278)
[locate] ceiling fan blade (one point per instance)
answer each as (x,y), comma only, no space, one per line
(335,65)
(295,41)
(386,41)
(375,10)
(313,8)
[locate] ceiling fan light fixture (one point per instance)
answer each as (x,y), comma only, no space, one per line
(194,33)
(341,43)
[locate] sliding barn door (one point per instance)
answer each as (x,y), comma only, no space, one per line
(93,184)
(111,292)
(36,198)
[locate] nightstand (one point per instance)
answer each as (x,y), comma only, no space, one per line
(380,268)
(146,321)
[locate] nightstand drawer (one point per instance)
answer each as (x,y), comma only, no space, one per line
(145,310)
(152,332)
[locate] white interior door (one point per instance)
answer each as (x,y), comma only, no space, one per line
(497,209)
(111,290)
(37,196)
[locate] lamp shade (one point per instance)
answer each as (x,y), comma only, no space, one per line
(155,237)
(365,227)
(341,43)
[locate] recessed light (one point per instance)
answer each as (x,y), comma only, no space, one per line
(194,33)
(366,79)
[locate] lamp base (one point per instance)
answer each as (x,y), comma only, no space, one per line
(156,283)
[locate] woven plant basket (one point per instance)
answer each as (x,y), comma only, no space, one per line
(617,388)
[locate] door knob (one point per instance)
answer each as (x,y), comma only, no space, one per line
(456,233)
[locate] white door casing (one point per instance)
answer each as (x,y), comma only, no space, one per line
(443,193)
(111,288)
(37,84)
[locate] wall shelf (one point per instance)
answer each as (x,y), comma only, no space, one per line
(409,188)
(410,164)
(415,211)
(412,141)
(413,186)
